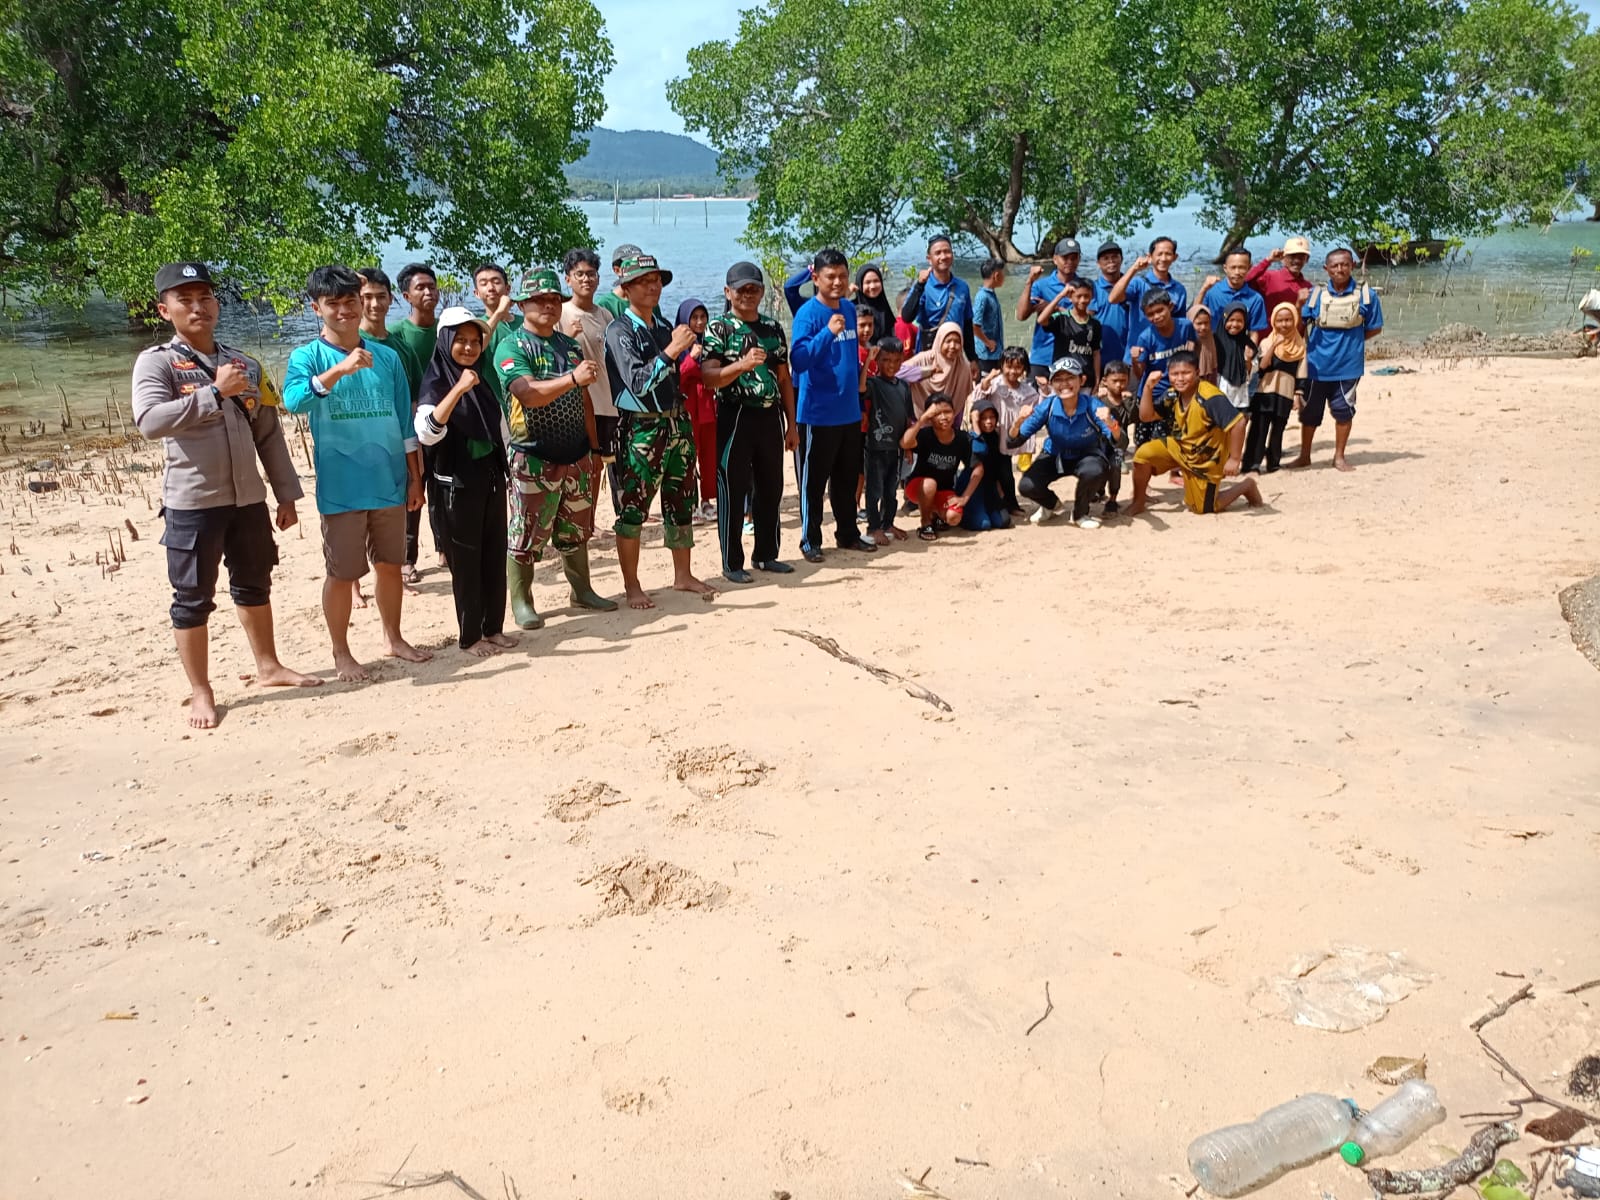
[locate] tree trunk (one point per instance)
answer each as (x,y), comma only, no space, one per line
(1241,228)
(1595,216)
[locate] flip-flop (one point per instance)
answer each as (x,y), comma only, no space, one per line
(928,534)
(411,575)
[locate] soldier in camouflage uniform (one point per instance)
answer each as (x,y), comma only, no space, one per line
(553,444)
(655,439)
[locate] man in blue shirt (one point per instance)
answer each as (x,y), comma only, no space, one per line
(1217,294)
(359,402)
(823,357)
(1342,319)
(938,296)
(1038,292)
(1133,285)
(1114,320)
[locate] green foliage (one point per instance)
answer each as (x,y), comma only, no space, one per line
(268,136)
(1585,88)
(863,120)
(1340,119)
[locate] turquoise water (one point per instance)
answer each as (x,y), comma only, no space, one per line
(1520,280)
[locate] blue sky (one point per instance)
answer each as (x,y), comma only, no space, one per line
(651,39)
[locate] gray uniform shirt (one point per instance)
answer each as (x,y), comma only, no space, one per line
(211,441)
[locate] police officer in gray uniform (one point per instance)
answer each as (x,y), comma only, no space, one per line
(216,412)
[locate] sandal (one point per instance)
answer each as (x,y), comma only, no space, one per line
(928,534)
(410,574)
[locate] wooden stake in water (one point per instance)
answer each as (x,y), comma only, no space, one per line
(66,409)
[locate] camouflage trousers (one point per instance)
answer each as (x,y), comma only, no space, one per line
(656,453)
(549,504)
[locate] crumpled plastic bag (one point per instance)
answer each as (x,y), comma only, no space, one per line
(1340,988)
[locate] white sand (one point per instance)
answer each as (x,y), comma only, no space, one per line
(354,924)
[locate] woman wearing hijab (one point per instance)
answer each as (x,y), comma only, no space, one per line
(941,368)
(459,417)
(870,296)
(1205,344)
(701,403)
(1281,390)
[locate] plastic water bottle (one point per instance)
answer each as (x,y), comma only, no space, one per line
(1394,1124)
(1240,1157)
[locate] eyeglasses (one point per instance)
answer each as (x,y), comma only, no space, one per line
(584,275)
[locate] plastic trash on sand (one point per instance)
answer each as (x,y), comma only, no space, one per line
(1341,988)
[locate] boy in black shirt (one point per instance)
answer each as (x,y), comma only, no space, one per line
(1076,331)
(941,453)
(888,405)
(988,508)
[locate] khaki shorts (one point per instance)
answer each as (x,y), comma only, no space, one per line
(349,539)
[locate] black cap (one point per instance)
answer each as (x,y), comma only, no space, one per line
(1108,248)
(742,273)
(1068,246)
(177,274)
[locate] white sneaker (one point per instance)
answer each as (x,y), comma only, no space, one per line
(1041,515)
(1089,523)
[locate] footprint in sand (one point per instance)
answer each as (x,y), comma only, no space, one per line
(1358,856)
(711,772)
(372,743)
(583,800)
(635,1101)
(636,886)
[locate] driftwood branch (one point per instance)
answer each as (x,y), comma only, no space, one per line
(1477,1158)
(1499,1010)
(1049,1007)
(830,646)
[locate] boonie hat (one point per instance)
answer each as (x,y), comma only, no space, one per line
(638,266)
(457,315)
(1068,246)
(1296,245)
(626,250)
(1069,365)
(742,274)
(1108,248)
(541,282)
(179,273)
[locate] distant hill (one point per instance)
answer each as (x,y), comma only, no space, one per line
(643,156)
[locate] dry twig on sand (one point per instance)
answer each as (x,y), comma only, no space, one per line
(1477,1158)
(1499,1010)
(1049,1007)
(887,676)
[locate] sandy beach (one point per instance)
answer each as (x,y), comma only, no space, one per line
(675,904)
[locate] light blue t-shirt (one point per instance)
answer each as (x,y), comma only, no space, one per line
(1158,348)
(1340,353)
(986,316)
(362,426)
(1222,293)
(1147,282)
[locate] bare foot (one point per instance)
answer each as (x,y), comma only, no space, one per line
(483,649)
(1254,498)
(202,708)
(880,537)
(409,590)
(900,535)
(504,640)
(1135,508)
(356,598)
(1303,461)
(349,670)
(278,675)
(1341,464)
(695,587)
(639,598)
(402,649)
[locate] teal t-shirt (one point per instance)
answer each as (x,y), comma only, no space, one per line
(362,426)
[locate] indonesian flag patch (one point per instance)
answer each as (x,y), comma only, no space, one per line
(507,363)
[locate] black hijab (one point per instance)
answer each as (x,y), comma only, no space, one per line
(1233,360)
(878,306)
(476,417)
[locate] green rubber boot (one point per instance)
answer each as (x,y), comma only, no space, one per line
(576,564)
(519,582)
